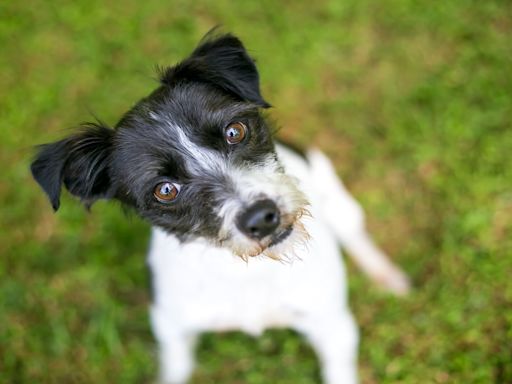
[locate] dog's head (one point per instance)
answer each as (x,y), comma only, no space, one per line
(195,157)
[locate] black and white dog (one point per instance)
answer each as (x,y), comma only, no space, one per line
(196,158)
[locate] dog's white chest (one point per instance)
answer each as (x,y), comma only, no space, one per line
(211,289)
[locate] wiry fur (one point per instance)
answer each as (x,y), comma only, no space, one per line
(176,135)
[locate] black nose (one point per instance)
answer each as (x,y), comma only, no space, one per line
(259,220)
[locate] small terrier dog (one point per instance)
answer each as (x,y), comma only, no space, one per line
(196,158)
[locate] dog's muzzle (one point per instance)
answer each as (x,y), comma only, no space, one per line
(259,220)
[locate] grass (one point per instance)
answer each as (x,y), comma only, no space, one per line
(412,100)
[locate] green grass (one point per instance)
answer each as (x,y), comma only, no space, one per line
(412,100)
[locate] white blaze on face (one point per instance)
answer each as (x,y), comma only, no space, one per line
(199,159)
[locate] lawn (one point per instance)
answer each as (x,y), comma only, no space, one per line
(411,99)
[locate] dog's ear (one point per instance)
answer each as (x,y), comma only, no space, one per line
(223,62)
(80,162)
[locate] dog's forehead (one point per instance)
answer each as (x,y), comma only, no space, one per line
(196,110)
(196,106)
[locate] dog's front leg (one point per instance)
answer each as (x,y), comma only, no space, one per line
(176,349)
(334,337)
(177,359)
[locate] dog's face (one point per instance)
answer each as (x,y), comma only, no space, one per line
(195,157)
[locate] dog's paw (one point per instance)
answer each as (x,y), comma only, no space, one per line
(394,280)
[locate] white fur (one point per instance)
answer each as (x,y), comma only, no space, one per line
(201,288)
(198,158)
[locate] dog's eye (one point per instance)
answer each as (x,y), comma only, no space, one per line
(166,192)
(235,132)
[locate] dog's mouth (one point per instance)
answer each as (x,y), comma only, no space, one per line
(280,236)
(282,244)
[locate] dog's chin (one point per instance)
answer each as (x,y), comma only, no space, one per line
(285,244)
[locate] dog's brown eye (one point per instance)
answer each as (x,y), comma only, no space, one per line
(166,192)
(235,132)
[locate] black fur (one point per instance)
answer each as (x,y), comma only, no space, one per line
(222,62)
(79,161)
(217,85)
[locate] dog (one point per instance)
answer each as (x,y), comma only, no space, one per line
(245,230)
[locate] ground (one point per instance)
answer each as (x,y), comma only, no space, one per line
(411,99)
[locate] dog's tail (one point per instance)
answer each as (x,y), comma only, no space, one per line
(345,217)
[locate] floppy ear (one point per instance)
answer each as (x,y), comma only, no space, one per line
(80,162)
(223,62)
